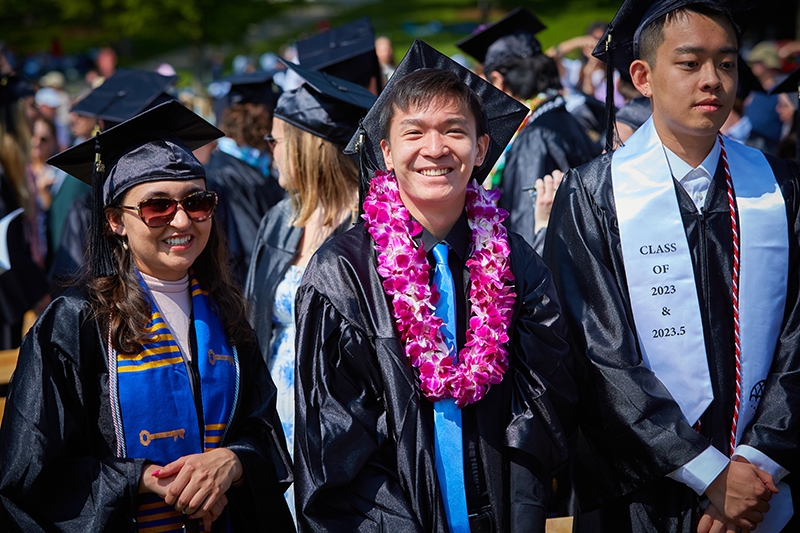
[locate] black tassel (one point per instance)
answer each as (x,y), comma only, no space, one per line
(365,168)
(99,249)
(611,110)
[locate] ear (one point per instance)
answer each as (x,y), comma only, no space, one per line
(387,154)
(482,149)
(640,75)
(114,218)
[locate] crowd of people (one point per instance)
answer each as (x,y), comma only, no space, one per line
(411,297)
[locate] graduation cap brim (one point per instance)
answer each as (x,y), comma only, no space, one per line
(337,45)
(789,84)
(504,113)
(343,90)
(634,15)
(125,94)
(252,88)
(171,118)
(518,20)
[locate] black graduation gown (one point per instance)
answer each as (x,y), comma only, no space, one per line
(632,431)
(249,195)
(275,248)
(554,141)
(364,457)
(58,468)
(23,285)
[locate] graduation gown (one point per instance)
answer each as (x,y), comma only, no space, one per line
(249,195)
(364,453)
(554,141)
(275,248)
(58,467)
(23,285)
(632,431)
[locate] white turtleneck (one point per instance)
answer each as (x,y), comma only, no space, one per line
(175,304)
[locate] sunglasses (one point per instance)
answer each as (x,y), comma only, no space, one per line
(158,212)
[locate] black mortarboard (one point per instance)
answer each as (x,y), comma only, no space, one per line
(12,88)
(510,37)
(619,46)
(125,94)
(791,84)
(251,88)
(324,105)
(504,113)
(347,52)
(153,146)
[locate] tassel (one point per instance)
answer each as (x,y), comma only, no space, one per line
(365,167)
(102,264)
(611,123)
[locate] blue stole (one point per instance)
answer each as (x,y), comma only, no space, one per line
(156,403)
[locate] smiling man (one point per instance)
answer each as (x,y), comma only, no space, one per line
(678,260)
(434,389)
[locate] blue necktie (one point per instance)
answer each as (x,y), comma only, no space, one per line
(446,415)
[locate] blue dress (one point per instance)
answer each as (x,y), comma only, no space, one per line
(281,357)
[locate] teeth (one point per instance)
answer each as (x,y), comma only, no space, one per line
(436,172)
(178,241)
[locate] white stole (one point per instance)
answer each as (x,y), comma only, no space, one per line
(660,275)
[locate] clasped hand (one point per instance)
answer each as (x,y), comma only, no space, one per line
(195,484)
(739,498)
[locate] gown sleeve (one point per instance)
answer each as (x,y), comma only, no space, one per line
(344,466)
(57,471)
(620,396)
(775,430)
(258,441)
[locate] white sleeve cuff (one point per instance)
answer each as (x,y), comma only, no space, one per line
(701,471)
(762,461)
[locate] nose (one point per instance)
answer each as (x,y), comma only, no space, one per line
(435,145)
(710,76)
(180,220)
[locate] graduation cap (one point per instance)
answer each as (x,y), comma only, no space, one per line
(510,37)
(504,113)
(125,94)
(619,46)
(250,88)
(12,89)
(748,82)
(791,84)
(153,146)
(347,52)
(324,105)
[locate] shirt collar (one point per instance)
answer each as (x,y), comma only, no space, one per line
(458,239)
(680,168)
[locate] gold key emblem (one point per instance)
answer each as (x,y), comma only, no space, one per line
(213,358)
(145,437)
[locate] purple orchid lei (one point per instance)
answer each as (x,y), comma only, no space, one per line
(405,270)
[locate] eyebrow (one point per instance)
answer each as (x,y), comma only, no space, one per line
(419,121)
(162,194)
(687,49)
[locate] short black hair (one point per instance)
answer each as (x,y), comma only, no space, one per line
(652,36)
(425,86)
(526,77)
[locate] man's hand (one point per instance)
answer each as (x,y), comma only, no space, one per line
(741,493)
(714,522)
(545,193)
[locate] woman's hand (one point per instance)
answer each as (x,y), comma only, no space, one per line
(149,482)
(200,483)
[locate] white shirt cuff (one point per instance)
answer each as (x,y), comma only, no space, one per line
(701,471)
(762,461)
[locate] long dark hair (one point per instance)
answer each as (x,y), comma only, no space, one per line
(119,301)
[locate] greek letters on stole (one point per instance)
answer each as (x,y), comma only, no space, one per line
(156,415)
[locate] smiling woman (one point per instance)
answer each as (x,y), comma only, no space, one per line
(156,316)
